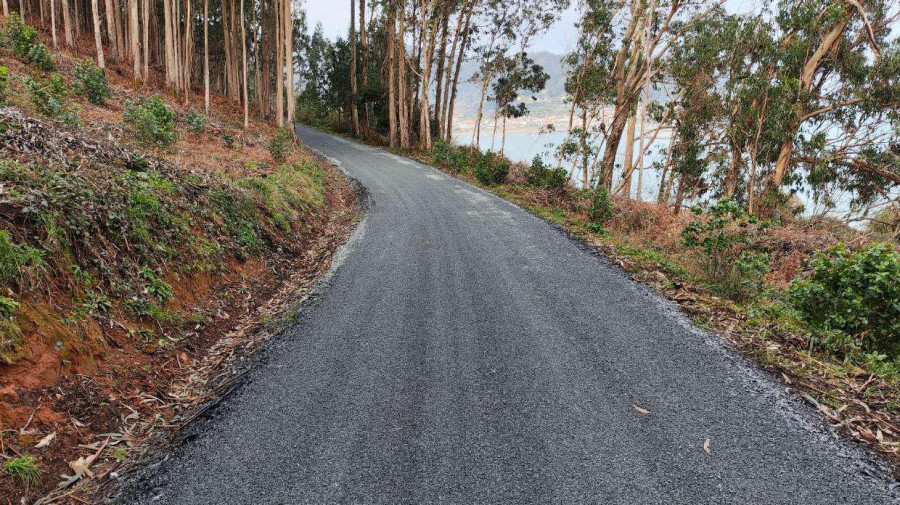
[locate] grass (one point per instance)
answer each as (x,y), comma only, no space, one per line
(23,468)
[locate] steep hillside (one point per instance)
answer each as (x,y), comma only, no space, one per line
(144,248)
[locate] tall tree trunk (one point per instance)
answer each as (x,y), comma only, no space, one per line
(244,61)
(629,155)
(5,8)
(354,114)
(145,14)
(439,75)
(67,23)
(169,43)
(365,61)
(448,131)
(135,39)
(53,23)
(289,60)
(279,66)
(424,109)
(402,85)
(392,76)
(110,28)
(98,37)
(206,55)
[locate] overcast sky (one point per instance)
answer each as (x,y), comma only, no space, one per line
(335,18)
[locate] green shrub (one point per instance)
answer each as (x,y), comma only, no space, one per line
(196,122)
(441,152)
(90,81)
(40,57)
(601,206)
(23,40)
(540,176)
(725,237)
(490,169)
(18,36)
(151,121)
(18,263)
(459,160)
(8,307)
(4,84)
(280,145)
(857,293)
(49,97)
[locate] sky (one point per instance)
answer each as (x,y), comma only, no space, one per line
(335,18)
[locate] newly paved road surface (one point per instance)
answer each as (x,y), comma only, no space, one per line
(467,352)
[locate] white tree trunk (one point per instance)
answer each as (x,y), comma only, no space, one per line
(244,64)
(53,23)
(67,24)
(206,54)
(135,38)
(98,37)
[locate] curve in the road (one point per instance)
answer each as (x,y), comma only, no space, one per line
(468,352)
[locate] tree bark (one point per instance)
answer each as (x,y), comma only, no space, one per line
(365,61)
(392,77)
(146,32)
(135,36)
(279,65)
(67,24)
(206,55)
(98,37)
(53,23)
(629,155)
(448,131)
(402,85)
(244,63)
(289,59)
(354,114)
(439,75)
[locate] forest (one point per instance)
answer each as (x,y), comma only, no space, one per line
(801,96)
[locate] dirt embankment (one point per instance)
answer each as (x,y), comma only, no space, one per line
(136,279)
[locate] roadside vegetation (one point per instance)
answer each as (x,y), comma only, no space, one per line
(137,233)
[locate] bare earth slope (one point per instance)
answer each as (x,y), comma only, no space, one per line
(468,352)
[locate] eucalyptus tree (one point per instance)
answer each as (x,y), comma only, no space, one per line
(829,118)
(519,74)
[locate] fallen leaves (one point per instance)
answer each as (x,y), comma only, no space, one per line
(641,410)
(44,442)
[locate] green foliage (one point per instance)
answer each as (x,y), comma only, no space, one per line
(725,236)
(50,98)
(287,192)
(440,152)
(857,293)
(491,169)
(4,84)
(90,81)
(40,57)
(155,286)
(453,158)
(23,468)
(541,176)
(8,307)
(23,40)
(196,122)
(280,145)
(601,206)
(151,121)
(19,264)
(229,140)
